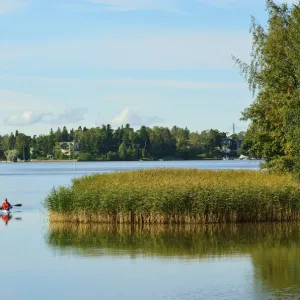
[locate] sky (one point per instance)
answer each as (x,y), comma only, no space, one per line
(143,62)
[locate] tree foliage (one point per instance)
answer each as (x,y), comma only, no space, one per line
(122,143)
(274,76)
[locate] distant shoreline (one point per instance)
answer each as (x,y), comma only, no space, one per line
(37,161)
(99,161)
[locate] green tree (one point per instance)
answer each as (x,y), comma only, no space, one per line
(65,134)
(211,142)
(182,139)
(23,146)
(71,135)
(163,143)
(122,152)
(273,76)
(11,155)
(34,152)
(11,142)
(144,141)
(58,135)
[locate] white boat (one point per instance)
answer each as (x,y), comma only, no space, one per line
(243,157)
(5,212)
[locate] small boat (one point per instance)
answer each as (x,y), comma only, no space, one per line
(6,212)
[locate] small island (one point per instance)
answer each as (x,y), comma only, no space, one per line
(173,196)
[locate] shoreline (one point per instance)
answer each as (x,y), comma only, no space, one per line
(37,161)
(145,161)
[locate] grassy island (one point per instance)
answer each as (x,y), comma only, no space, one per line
(172,196)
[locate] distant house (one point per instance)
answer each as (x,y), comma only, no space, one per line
(230,145)
(69,148)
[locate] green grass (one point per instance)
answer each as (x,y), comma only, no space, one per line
(177,196)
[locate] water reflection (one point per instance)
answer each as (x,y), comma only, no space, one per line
(6,218)
(274,248)
(278,267)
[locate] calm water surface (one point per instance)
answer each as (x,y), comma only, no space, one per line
(47,261)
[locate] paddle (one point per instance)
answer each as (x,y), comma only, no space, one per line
(17,205)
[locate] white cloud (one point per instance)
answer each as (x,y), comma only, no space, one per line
(70,115)
(128,117)
(27,118)
(130,5)
(8,6)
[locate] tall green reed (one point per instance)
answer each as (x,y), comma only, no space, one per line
(177,196)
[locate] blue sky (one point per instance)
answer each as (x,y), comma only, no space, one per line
(144,62)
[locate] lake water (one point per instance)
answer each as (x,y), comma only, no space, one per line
(47,261)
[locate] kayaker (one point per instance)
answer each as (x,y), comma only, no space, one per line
(6,205)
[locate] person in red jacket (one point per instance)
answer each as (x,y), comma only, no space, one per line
(6,205)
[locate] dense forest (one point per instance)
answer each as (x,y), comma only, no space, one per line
(123,143)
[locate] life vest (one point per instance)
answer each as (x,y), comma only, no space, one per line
(6,205)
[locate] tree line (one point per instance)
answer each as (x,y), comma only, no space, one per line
(123,143)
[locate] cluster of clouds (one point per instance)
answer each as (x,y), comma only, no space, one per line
(126,116)
(26,118)
(75,115)
(153,51)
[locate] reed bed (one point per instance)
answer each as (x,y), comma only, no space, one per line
(172,196)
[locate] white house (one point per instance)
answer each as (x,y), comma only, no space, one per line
(69,148)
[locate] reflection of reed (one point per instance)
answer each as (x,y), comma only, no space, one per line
(126,239)
(188,240)
(274,248)
(279,268)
